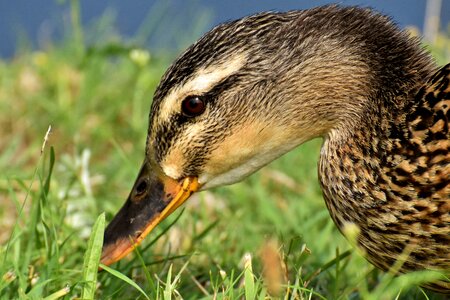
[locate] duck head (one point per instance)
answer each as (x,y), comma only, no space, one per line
(244,94)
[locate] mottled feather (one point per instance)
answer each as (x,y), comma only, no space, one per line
(394,182)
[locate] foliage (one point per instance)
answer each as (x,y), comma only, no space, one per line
(269,235)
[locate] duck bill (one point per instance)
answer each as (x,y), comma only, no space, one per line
(153,198)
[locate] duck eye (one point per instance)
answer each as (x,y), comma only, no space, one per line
(193,106)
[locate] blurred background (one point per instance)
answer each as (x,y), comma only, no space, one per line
(165,24)
(89,70)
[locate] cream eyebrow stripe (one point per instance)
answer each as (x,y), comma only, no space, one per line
(202,81)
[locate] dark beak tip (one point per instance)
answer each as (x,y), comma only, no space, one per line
(139,215)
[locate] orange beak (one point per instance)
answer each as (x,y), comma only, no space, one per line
(153,198)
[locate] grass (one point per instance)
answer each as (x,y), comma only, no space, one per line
(270,236)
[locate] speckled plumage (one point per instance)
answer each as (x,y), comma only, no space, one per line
(275,80)
(392,179)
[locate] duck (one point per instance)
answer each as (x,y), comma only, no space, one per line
(253,89)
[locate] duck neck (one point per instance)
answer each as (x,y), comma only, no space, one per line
(339,71)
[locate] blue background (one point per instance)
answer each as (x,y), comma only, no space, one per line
(47,20)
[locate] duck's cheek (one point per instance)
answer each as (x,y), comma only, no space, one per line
(210,180)
(235,169)
(227,166)
(173,163)
(230,165)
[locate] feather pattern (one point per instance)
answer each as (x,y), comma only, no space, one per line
(392,180)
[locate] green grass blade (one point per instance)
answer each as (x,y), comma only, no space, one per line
(144,268)
(167,293)
(205,232)
(50,170)
(92,258)
(249,279)
(34,211)
(58,294)
(329,264)
(124,278)
(152,242)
